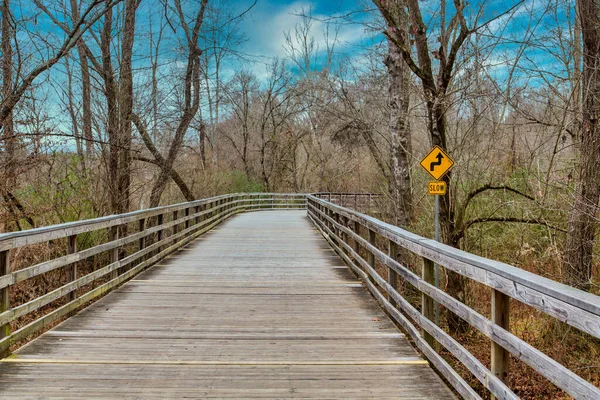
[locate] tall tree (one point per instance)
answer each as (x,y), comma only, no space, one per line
(579,246)
(191,101)
(86,88)
(8,130)
(399,97)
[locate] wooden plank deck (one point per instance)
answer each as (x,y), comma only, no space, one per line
(260,307)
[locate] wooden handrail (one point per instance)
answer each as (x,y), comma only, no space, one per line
(186,222)
(341,227)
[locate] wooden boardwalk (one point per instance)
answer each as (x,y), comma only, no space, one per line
(260,307)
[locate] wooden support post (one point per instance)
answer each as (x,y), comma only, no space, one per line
(141,228)
(160,234)
(4,300)
(427,308)
(355,243)
(72,269)
(113,234)
(344,222)
(175,227)
(196,211)
(336,230)
(500,317)
(371,256)
(187,221)
(392,277)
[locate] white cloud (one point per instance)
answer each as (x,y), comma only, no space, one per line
(266,27)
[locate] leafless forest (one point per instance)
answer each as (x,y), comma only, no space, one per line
(109,106)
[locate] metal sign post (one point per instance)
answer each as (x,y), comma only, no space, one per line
(436,266)
(437,163)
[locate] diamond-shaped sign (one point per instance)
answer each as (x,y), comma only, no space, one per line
(437,163)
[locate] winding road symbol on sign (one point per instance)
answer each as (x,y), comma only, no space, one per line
(439,157)
(437,163)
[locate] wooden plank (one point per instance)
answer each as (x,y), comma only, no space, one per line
(392,277)
(72,269)
(113,234)
(427,301)
(500,358)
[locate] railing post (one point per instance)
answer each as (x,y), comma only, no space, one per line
(72,269)
(4,300)
(196,211)
(426,301)
(356,230)
(187,221)
(160,234)
(175,227)
(392,277)
(371,256)
(344,235)
(141,228)
(500,316)
(114,253)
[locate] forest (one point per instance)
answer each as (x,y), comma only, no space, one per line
(112,106)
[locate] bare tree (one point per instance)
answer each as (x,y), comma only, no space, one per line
(239,94)
(399,92)
(579,246)
(86,87)
(191,101)
(88,18)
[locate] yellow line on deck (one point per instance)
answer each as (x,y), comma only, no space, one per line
(316,283)
(16,360)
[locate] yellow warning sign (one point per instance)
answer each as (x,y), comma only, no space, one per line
(438,187)
(437,163)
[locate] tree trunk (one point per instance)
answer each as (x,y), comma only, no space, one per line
(401,147)
(8,132)
(126,104)
(202,133)
(579,247)
(112,121)
(73,115)
(86,89)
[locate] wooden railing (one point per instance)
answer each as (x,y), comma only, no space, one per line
(362,202)
(351,233)
(148,235)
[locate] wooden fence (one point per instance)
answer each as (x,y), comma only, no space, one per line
(155,233)
(350,233)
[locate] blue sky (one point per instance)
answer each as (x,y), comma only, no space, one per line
(266,23)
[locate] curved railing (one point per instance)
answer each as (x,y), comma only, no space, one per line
(136,240)
(350,232)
